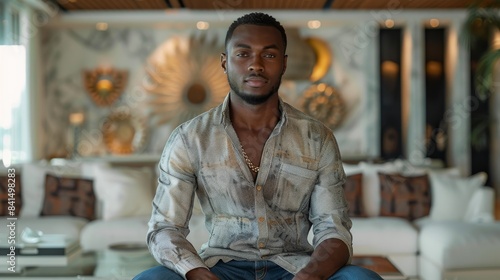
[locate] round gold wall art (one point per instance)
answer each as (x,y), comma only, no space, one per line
(124,133)
(184,79)
(323,58)
(324,103)
(105,85)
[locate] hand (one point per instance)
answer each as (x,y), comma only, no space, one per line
(201,273)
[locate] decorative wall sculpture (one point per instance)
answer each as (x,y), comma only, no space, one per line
(105,85)
(323,58)
(184,79)
(124,133)
(324,103)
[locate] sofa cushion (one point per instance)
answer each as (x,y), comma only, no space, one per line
(70,227)
(451,195)
(461,245)
(124,192)
(69,196)
(10,200)
(33,179)
(371,185)
(383,235)
(353,190)
(99,234)
(407,197)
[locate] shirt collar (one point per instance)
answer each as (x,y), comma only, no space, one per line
(226,120)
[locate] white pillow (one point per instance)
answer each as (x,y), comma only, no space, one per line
(481,206)
(124,192)
(451,195)
(33,184)
(371,185)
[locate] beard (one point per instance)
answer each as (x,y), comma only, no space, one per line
(252,99)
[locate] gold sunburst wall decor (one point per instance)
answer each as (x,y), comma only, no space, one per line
(324,103)
(124,132)
(105,85)
(184,79)
(323,58)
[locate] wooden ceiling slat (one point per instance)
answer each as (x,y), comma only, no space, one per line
(260,4)
(254,4)
(158,4)
(404,4)
(175,4)
(129,5)
(86,5)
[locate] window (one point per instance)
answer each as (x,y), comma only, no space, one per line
(14,110)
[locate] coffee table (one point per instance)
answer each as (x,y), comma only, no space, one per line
(119,261)
(381,265)
(52,250)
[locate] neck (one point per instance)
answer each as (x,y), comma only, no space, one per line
(254,117)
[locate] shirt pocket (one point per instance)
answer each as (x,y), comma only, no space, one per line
(231,232)
(295,185)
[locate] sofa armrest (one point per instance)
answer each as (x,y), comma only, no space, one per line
(481,206)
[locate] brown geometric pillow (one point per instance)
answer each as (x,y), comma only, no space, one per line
(69,197)
(353,191)
(15,201)
(403,196)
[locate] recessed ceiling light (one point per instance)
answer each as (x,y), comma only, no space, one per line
(202,25)
(389,23)
(314,24)
(101,26)
(434,23)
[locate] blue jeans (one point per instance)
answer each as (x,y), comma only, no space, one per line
(261,270)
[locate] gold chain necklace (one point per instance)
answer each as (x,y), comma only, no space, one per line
(249,162)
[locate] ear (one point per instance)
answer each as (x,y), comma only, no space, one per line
(285,59)
(223,62)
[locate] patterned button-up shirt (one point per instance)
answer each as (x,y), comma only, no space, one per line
(300,183)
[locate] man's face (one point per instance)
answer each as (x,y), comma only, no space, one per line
(255,62)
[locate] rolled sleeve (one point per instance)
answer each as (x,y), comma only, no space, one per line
(172,209)
(329,210)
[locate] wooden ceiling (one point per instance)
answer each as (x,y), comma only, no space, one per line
(79,5)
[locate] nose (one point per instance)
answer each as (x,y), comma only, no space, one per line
(256,65)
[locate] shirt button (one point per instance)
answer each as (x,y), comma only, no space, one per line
(261,219)
(261,245)
(259,188)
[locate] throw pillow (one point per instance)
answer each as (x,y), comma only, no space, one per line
(451,195)
(407,197)
(69,197)
(9,199)
(124,192)
(371,185)
(353,191)
(33,178)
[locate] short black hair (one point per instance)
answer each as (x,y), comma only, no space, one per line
(256,18)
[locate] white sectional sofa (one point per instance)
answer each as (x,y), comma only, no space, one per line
(445,244)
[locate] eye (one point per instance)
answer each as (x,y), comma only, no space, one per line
(241,54)
(269,55)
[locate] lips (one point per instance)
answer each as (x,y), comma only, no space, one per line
(256,81)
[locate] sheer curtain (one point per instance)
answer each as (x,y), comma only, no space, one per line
(15,93)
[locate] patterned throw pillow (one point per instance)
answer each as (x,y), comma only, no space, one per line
(69,196)
(407,197)
(353,190)
(4,195)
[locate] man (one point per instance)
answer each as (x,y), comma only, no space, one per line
(263,172)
